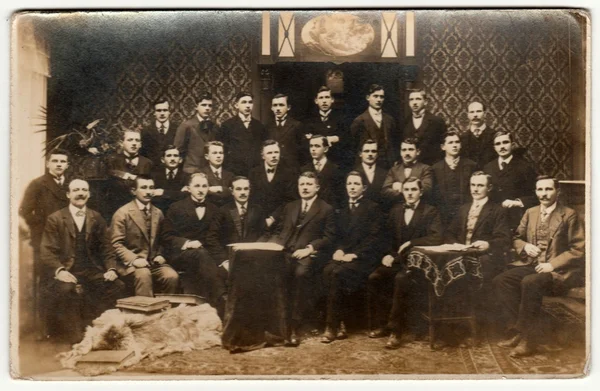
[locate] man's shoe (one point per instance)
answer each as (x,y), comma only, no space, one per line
(393,342)
(510,343)
(379,333)
(341,334)
(328,336)
(293,341)
(523,349)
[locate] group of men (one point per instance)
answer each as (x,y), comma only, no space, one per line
(346,205)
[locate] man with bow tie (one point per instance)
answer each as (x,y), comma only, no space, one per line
(550,250)
(513,177)
(376,125)
(407,167)
(169,179)
(243,136)
(160,133)
(356,253)
(427,128)
(187,227)
(138,233)
(219,179)
(373,172)
(287,132)
(330,177)
(451,178)
(80,272)
(391,285)
(193,134)
(478,141)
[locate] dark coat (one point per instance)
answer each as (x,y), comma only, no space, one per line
(172,188)
(388,139)
(275,194)
(396,174)
(446,197)
(118,188)
(291,141)
(219,199)
(343,152)
(424,229)
(154,143)
(242,146)
(479,149)
(330,182)
(374,189)
(430,136)
(190,139)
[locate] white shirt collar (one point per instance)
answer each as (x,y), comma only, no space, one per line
(73,209)
(481,202)
(239,206)
(356,201)
(174,171)
(367,168)
(549,209)
(165,124)
(507,160)
(281,119)
(323,161)
(243,118)
(128,156)
(142,206)
(375,113)
(417,204)
(267,167)
(481,128)
(200,118)
(421,113)
(217,169)
(451,160)
(325,114)
(309,202)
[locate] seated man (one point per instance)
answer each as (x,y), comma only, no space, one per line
(170,180)
(219,179)
(412,224)
(550,244)
(306,230)
(136,237)
(328,172)
(81,278)
(187,226)
(407,167)
(356,252)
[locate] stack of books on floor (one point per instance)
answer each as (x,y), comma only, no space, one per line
(104,357)
(143,304)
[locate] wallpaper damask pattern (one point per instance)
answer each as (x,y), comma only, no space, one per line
(517,66)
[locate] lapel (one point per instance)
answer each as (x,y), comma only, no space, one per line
(205,136)
(401,175)
(138,218)
(237,222)
(371,126)
(155,216)
(534,217)
(296,212)
(425,122)
(416,219)
(58,191)
(285,129)
(69,222)
(356,217)
(249,217)
(485,212)
(556,220)
(312,211)
(90,220)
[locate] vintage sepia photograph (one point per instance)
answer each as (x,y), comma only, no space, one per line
(300,194)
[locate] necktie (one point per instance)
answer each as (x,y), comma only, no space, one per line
(353,206)
(145,209)
(453,164)
(147,219)
(59,180)
(217,175)
(171,175)
(503,165)
(199,204)
(477,132)
(246,122)
(80,213)
(318,166)
(303,213)
(409,206)
(243,211)
(324,118)
(129,161)
(270,170)
(162,129)
(279,123)
(544,215)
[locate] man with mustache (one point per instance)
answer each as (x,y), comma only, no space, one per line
(287,132)
(513,177)
(427,128)
(550,250)
(137,237)
(372,172)
(376,125)
(80,274)
(330,177)
(219,179)
(160,133)
(193,134)
(478,141)
(243,136)
(407,167)
(169,179)
(186,234)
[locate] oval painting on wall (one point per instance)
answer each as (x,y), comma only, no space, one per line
(337,34)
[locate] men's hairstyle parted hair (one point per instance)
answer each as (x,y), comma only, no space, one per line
(204,96)
(367,141)
(374,87)
(266,143)
(323,89)
(504,133)
(310,174)
(57,151)
(545,177)
(77,178)
(321,137)
(483,106)
(212,143)
(450,133)
(141,177)
(125,131)
(169,147)
(411,140)
(281,95)
(418,90)
(242,94)
(411,179)
(481,173)
(196,174)
(160,100)
(240,178)
(359,174)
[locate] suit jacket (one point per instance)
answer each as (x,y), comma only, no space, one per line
(342,152)
(129,236)
(388,139)
(118,188)
(566,247)
(190,138)
(330,182)
(396,174)
(219,199)
(317,227)
(154,142)
(374,189)
(275,194)
(447,196)
(242,146)
(228,228)
(42,197)
(430,136)
(172,188)
(291,141)
(117,166)
(479,149)
(59,240)
(424,229)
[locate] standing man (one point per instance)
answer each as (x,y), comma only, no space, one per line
(287,132)
(137,232)
(427,128)
(374,174)
(330,177)
(169,179)
(478,140)
(306,231)
(243,136)
(513,178)
(81,276)
(194,133)
(376,125)
(451,178)
(219,180)
(550,249)
(159,134)
(407,167)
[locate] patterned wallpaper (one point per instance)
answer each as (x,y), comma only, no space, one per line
(517,65)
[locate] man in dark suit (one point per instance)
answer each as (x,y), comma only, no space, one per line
(159,134)
(373,172)
(187,226)
(330,177)
(306,230)
(407,167)
(169,179)
(137,234)
(513,178)
(123,168)
(193,134)
(273,185)
(452,177)
(376,125)
(391,285)
(478,140)
(219,179)
(287,132)
(427,128)
(243,136)
(356,252)
(550,246)
(81,276)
